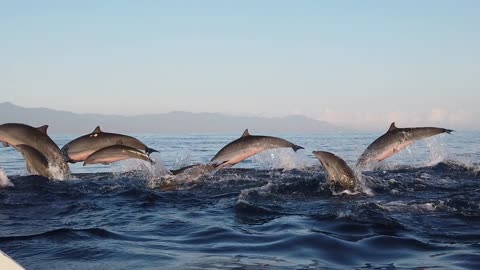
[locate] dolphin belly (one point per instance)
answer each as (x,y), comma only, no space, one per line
(80,156)
(392,150)
(235,158)
(115,153)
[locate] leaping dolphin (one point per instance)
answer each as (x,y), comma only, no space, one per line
(15,134)
(190,174)
(395,140)
(246,146)
(36,162)
(82,147)
(338,172)
(195,169)
(115,153)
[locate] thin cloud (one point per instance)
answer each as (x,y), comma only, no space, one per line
(456,119)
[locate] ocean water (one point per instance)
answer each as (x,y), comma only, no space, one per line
(418,210)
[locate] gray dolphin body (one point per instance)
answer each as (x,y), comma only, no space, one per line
(37,163)
(337,170)
(16,134)
(195,169)
(115,153)
(191,173)
(82,147)
(395,140)
(247,146)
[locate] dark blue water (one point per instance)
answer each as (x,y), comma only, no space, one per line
(418,210)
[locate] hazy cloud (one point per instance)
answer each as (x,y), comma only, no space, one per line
(456,119)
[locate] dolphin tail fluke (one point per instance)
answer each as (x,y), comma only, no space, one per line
(151,150)
(297,147)
(449,131)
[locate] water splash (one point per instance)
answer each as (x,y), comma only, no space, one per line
(56,172)
(4,181)
(157,169)
(183,159)
(345,192)
(438,150)
(261,191)
(282,158)
(405,206)
(145,169)
(362,184)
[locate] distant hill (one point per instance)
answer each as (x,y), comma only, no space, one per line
(166,123)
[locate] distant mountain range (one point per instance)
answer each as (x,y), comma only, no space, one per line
(63,122)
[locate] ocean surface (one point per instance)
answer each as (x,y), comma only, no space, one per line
(417,210)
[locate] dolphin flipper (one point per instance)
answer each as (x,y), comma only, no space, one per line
(218,164)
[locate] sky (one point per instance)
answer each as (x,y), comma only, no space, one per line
(359,64)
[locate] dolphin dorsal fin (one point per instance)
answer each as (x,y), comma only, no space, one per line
(392,127)
(97,130)
(43,129)
(245,133)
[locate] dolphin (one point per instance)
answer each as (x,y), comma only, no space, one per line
(37,163)
(246,146)
(338,172)
(193,172)
(82,147)
(186,175)
(394,140)
(14,134)
(115,153)
(190,174)
(194,168)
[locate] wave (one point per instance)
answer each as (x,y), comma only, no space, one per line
(445,165)
(296,245)
(74,234)
(290,217)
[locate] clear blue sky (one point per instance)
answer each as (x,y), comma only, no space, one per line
(354,63)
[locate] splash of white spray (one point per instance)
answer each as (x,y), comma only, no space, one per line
(150,172)
(56,172)
(362,184)
(183,159)
(262,191)
(4,181)
(281,158)
(438,151)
